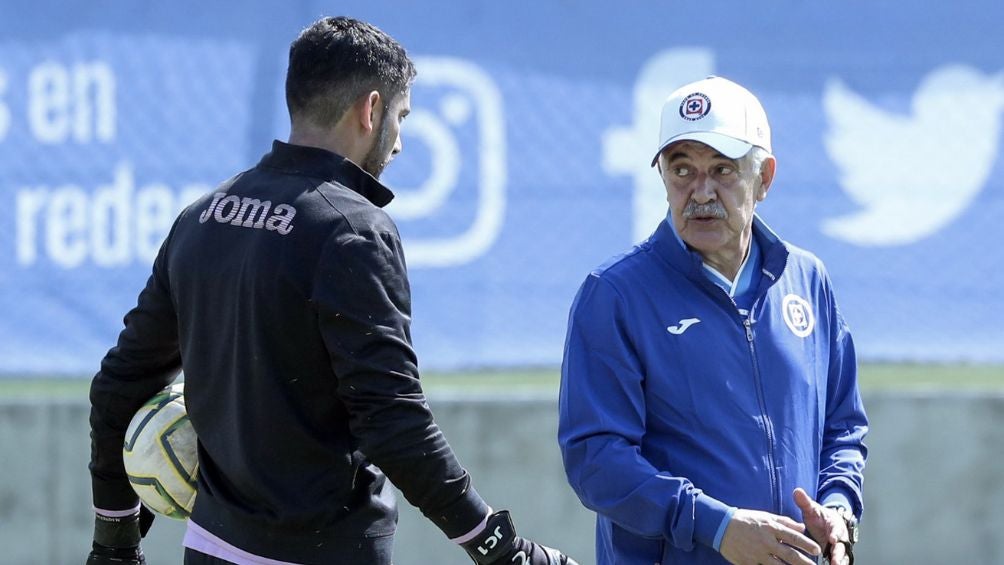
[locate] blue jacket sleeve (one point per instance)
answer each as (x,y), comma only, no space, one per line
(843,454)
(602,425)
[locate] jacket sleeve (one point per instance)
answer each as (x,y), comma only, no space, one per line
(364,305)
(602,424)
(144,361)
(843,454)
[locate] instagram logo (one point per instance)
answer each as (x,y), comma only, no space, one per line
(450,182)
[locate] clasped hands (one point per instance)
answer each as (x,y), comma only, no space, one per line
(761,538)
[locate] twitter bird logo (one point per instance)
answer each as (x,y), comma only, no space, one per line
(913,174)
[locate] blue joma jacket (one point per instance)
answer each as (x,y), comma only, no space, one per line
(676,406)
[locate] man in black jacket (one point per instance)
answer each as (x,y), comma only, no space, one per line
(284,296)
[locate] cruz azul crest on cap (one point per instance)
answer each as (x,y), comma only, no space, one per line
(695,106)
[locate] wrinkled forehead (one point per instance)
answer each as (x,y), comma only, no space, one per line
(691,149)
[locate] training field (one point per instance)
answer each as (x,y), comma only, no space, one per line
(944,419)
(544,381)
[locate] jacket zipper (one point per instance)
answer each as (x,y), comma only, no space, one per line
(767,424)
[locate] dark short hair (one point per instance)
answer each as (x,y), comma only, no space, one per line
(334,61)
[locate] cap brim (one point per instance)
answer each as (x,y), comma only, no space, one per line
(728,146)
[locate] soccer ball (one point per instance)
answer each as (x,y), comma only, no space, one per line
(160,454)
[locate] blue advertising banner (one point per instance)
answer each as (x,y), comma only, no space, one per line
(526,157)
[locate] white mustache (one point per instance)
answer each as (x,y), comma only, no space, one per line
(711,209)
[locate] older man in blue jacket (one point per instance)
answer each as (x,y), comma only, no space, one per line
(709,408)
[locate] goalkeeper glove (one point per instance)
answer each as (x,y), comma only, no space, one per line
(116,539)
(498,544)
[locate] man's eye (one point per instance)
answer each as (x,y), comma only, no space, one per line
(724,170)
(681,171)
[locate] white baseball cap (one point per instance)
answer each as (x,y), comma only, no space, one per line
(717,112)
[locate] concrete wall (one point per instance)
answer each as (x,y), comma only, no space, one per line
(935,481)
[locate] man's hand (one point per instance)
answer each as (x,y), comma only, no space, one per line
(498,544)
(825,526)
(753,537)
(116,540)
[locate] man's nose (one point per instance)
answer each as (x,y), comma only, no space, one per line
(398,146)
(704,189)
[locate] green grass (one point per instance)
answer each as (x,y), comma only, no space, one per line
(44,387)
(873,376)
(889,376)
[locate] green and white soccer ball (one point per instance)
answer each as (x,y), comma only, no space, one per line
(160,454)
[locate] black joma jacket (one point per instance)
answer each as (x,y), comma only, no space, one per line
(284,297)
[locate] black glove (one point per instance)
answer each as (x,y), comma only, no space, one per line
(116,540)
(498,544)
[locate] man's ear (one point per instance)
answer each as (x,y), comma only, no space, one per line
(767,170)
(369,110)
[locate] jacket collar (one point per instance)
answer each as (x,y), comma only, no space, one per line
(667,243)
(330,167)
(774,250)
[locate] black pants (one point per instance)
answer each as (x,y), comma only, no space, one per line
(193,557)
